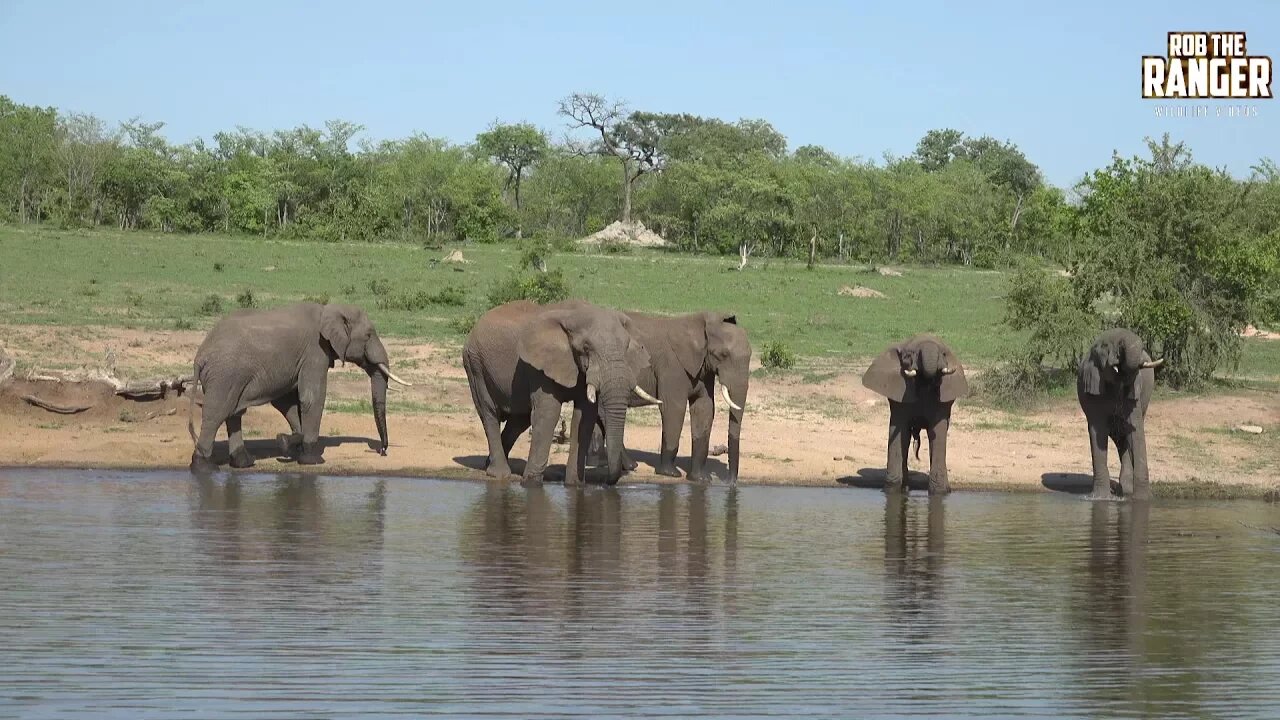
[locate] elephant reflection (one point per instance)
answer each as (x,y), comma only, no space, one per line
(287,522)
(913,560)
(1114,593)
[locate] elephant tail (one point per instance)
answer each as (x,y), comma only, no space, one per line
(915,440)
(191,411)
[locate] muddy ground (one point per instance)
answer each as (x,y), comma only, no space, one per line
(826,431)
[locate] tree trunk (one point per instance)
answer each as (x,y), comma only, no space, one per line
(519,219)
(626,193)
(813,249)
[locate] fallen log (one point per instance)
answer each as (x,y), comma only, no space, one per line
(53,407)
(153,389)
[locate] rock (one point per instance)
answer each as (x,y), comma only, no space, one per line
(889,272)
(1251,429)
(456,257)
(859,291)
(269,268)
(718,450)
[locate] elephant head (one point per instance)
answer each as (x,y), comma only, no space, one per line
(917,369)
(1114,360)
(715,344)
(352,338)
(590,348)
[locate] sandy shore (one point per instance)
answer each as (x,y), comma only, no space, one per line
(827,433)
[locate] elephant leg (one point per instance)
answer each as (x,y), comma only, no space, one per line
(288,406)
(211,418)
(1141,489)
(939,483)
(511,431)
(311,409)
(542,427)
(1125,447)
(672,423)
(1098,443)
(496,465)
(899,446)
(583,423)
(240,457)
(701,412)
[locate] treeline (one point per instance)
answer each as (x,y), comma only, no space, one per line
(704,184)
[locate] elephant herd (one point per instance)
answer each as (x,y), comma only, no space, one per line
(524,360)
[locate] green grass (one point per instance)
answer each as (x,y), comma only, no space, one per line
(165,281)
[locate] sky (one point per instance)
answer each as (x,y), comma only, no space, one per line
(858,78)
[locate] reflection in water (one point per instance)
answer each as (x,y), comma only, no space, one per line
(913,556)
(294,596)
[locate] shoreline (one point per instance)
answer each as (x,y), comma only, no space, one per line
(805,429)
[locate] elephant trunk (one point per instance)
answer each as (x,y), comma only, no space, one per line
(378,384)
(612,406)
(737,392)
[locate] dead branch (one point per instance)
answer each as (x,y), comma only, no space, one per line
(52,407)
(135,390)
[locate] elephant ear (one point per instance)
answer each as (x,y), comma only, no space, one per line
(335,326)
(954,385)
(885,377)
(689,343)
(638,358)
(544,344)
(1090,376)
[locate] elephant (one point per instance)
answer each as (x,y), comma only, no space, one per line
(922,378)
(1114,385)
(688,353)
(524,361)
(282,356)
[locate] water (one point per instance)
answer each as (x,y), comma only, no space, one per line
(154,595)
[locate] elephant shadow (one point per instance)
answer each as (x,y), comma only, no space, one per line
(874,479)
(713,466)
(267,448)
(1073,483)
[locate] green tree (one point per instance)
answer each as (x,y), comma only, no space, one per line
(518,147)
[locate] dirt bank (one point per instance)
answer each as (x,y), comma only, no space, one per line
(830,431)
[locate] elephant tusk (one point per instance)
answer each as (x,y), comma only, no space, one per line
(387,371)
(1116,368)
(948,370)
(646,396)
(1153,363)
(591,393)
(909,373)
(724,390)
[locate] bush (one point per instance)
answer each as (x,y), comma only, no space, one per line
(379,287)
(463,324)
(420,299)
(542,288)
(212,305)
(1015,384)
(1046,304)
(217,267)
(246,299)
(182,324)
(777,356)
(321,299)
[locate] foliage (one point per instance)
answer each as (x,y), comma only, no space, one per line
(212,305)
(777,356)
(246,299)
(449,296)
(540,287)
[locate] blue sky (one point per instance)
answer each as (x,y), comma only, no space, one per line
(858,78)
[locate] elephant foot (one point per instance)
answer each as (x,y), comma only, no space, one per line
(628,464)
(939,486)
(668,470)
(895,485)
(290,444)
(497,471)
(201,465)
(699,476)
(1101,497)
(241,459)
(311,455)
(531,481)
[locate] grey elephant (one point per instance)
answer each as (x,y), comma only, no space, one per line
(922,378)
(282,356)
(688,354)
(524,361)
(1114,385)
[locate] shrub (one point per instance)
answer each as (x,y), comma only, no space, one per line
(321,299)
(420,299)
(463,323)
(542,288)
(777,356)
(134,299)
(212,305)
(246,299)
(217,267)
(182,324)
(1016,384)
(379,287)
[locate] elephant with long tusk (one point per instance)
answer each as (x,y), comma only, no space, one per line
(922,378)
(1114,385)
(524,361)
(282,356)
(689,354)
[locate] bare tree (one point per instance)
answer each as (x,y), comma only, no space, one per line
(633,139)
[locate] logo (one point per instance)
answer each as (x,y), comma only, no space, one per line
(1212,65)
